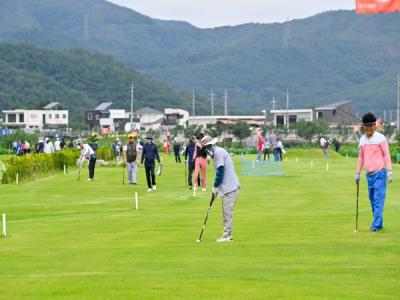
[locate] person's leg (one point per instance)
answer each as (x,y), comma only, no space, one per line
(378,199)
(147,169)
(129,169)
(190,174)
(153,175)
(228,204)
(179,158)
(134,172)
(203,166)
(176,157)
(92,164)
(196,172)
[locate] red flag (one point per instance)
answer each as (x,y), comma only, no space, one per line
(377,6)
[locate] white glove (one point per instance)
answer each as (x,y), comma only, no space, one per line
(389,176)
(357,178)
(214,190)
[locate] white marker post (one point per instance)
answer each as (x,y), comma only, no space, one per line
(312,163)
(65,170)
(347,156)
(4,226)
(327,166)
(16,179)
(136,201)
(194,193)
(253,164)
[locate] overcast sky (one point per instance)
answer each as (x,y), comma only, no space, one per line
(213,13)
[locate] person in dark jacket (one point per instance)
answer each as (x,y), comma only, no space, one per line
(177,150)
(149,155)
(189,153)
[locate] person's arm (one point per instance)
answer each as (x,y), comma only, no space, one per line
(219,176)
(386,154)
(143,154)
(360,162)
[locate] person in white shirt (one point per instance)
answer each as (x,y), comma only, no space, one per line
(87,153)
(57,145)
(48,146)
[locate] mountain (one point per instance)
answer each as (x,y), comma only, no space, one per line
(326,58)
(31,77)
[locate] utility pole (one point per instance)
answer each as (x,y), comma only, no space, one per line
(193,103)
(132,106)
(384,115)
(273,102)
(390,116)
(398,101)
(226,102)
(287,108)
(212,102)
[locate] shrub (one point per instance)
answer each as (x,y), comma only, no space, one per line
(33,165)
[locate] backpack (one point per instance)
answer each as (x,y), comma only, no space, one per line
(131,152)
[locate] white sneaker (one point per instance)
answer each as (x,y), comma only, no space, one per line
(89,179)
(154,187)
(204,190)
(149,190)
(225,238)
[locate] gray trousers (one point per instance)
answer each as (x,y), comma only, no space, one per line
(228,203)
(132,171)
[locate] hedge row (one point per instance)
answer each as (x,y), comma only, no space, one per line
(33,165)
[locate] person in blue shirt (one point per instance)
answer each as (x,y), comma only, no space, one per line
(149,155)
(189,153)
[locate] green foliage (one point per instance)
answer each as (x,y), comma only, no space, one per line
(308,130)
(241,130)
(33,165)
(7,140)
(329,57)
(105,153)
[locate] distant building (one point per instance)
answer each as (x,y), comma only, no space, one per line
(93,116)
(47,118)
(281,116)
(205,120)
(175,116)
(149,118)
(337,113)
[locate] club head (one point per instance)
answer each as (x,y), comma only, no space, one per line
(198,240)
(355,230)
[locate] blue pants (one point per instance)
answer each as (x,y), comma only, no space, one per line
(377,194)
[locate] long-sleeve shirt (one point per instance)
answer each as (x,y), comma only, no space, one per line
(150,153)
(373,153)
(189,152)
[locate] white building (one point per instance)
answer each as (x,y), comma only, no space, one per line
(149,118)
(280,117)
(176,116)
(48,117)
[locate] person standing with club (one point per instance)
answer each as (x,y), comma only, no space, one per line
(130,156)
(149,155)
(189,158)
(87,153)
(374,155)
(226,183)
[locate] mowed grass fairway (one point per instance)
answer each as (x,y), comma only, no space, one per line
(293,237)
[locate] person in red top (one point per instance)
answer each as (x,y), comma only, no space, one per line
(260,146)
(374,155)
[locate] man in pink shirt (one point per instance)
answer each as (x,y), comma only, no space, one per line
(374,155)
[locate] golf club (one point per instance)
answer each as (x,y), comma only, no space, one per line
(358,192)
(79,173)
(213,196)
(186,174)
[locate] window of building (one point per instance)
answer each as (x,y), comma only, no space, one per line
(320,115)
(89,116)
(21,118)
(49,116)
(97,117)
(292,119)
(57,116)
(280,120)
(12,118)
(64,116)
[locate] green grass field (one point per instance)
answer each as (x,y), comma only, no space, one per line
(293,235)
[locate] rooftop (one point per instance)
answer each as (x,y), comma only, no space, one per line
(148,110)
(103,106)
(333,105)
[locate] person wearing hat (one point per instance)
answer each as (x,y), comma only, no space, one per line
(226,183)
(177,150)
(48,146)
(87,153)
(149,155)
(374,155)
(130,159)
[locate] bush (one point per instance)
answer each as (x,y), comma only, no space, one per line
(33,165)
